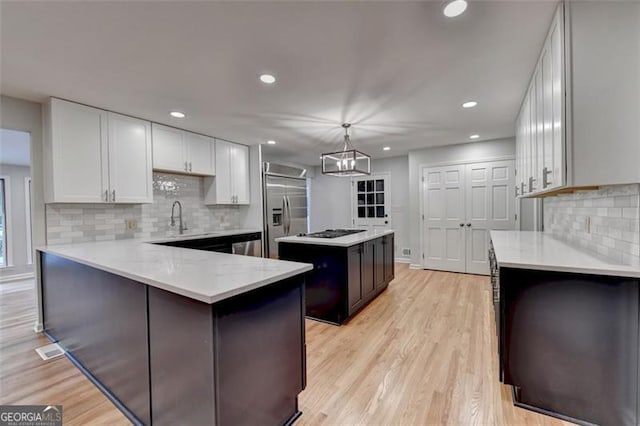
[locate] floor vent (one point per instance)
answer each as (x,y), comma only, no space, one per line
(47,352)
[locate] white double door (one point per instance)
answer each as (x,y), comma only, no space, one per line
(461,204)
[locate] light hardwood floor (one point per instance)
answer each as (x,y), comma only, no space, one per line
(422,353)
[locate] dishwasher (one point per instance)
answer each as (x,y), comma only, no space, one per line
(247,244)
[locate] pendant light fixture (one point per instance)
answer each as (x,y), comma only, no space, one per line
(348,162)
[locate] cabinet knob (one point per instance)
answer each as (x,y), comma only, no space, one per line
(461,225)
(468,224)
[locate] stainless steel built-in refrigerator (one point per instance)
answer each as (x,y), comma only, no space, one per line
(285,203)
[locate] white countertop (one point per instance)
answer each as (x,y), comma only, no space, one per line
(540,251)
(205,276)
(346,241)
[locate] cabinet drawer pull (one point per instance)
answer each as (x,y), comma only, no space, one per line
(113,195)
(106,195)
(189,165)
(186,166)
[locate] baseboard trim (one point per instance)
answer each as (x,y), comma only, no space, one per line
(402,260)
(17,277)
(415,266)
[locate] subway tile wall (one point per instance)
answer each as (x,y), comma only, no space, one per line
(612,213)
(75,223)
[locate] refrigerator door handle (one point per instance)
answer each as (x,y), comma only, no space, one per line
(285,216)
(288,215)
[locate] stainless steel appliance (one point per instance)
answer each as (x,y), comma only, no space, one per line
(247,244)
(285,204)
(333,233)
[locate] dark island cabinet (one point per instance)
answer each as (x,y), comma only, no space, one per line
(344,279)
(355,293)
(569,344)
(369,269)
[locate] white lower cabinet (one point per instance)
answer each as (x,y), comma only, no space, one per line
(93,156)
(179,151)
(231,183)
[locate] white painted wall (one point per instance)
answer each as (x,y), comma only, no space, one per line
(18,234)
(251,216)
(476,151)
(330,200)
(18,114)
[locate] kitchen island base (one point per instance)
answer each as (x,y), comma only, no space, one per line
(164,358)
(344,279)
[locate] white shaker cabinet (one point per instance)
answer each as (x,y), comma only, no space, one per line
(578,123)
(169,149)
(130,176)
(231,184)
(93,156)
(179,151)
(200,154)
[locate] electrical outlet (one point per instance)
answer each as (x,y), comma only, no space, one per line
(131,224)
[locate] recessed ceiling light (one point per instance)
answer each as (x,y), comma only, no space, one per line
(177,114)
(267,78)
(469,104)
(454,8)
(386,148)
(474,136)
(271,142)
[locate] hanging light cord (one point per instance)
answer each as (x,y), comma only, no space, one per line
(347,141)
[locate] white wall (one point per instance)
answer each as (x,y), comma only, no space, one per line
(18,255)
(330,200)
(251,216)
(476,151)
(18,114)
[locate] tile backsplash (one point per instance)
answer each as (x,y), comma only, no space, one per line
(75,223)
(605,221)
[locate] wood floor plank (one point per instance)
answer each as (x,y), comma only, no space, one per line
(422,353)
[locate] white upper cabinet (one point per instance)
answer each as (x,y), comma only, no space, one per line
(578,126)
(200,154)
(130,175)
(90,153)
(231,183)
(240,173)
(169,149)
(76,167)
(179,151)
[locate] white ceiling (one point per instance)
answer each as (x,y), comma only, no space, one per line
(397,70)
(14,147)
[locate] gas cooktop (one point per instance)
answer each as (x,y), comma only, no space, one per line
(332,233)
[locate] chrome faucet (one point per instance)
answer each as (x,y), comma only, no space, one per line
(183,226)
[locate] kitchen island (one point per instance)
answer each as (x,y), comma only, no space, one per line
(348,271)
(567,325)
(180,336)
